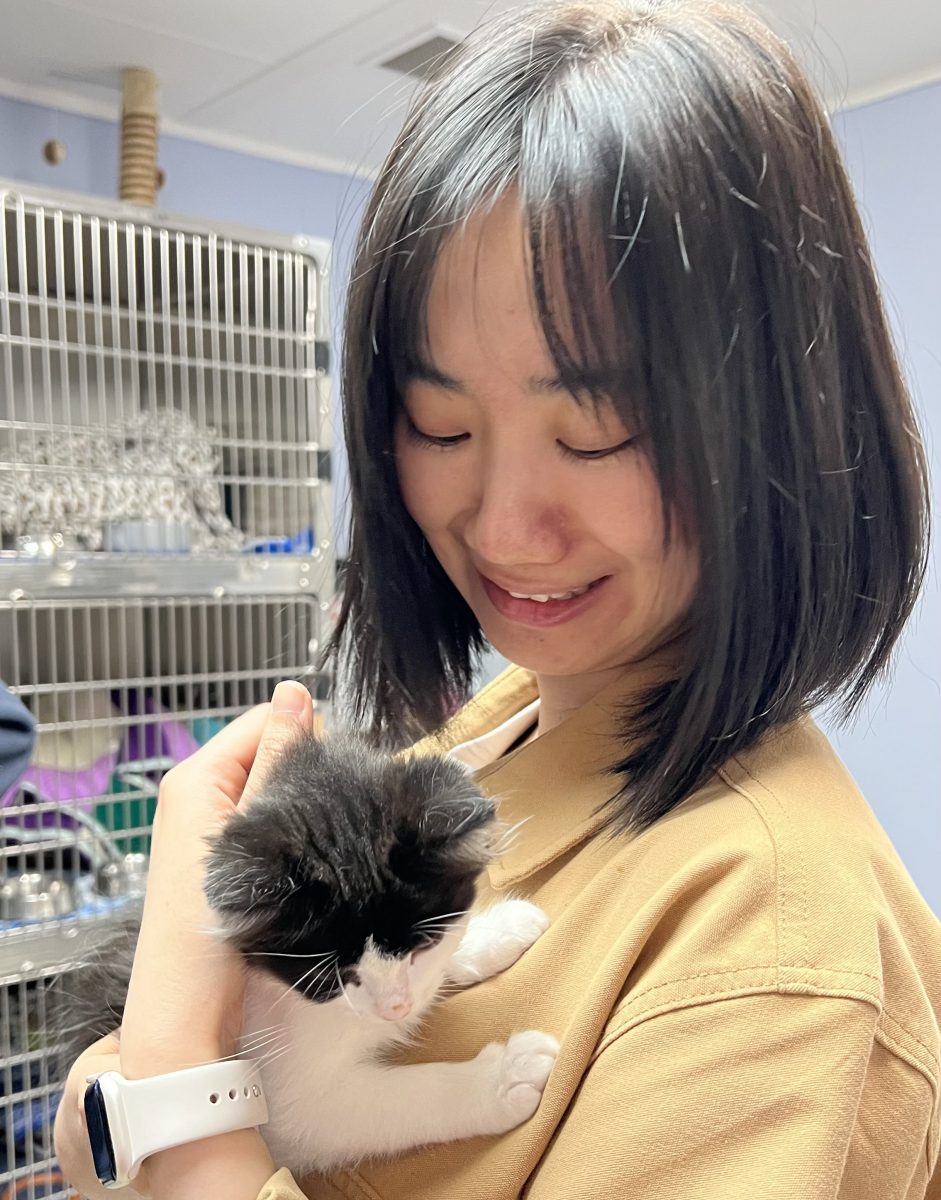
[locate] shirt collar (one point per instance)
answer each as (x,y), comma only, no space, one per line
(487,747)
(553,788)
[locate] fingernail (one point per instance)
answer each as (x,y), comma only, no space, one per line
(289,697)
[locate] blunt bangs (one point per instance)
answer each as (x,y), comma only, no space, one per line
(694,242)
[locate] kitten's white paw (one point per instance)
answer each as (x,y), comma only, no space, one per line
(497,937)
(517,1074)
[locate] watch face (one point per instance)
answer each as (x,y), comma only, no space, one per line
(99,1135)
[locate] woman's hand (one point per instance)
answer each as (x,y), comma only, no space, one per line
(184,1004)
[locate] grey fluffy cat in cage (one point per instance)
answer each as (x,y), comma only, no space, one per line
(346,885)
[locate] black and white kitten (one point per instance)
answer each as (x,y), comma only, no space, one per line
(346,885)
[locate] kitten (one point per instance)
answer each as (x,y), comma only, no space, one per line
(346,885)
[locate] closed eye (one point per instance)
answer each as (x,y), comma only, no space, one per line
(422,948)
(589,455)
(428,439)
(455,439)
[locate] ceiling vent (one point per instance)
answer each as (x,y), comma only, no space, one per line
(422,59)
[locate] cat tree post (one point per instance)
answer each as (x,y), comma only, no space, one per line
(139,118)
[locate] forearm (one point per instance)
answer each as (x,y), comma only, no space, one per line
(234,1165)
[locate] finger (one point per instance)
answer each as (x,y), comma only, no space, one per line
(237,741)
(291,717)
(226,760)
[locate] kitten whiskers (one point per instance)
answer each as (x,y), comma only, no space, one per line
(343,991)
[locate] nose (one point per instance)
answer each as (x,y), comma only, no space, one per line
(518,517)
(395,1010)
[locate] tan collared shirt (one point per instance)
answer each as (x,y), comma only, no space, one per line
(747,994)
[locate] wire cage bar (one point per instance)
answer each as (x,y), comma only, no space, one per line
(165,558)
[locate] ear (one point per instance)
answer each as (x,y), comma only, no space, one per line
(452,833)
(241,886)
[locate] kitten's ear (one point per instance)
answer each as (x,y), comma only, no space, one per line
(453,833)
(250,891)
(237,886)
(415,858)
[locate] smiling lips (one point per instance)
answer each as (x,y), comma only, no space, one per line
(541,608)
(542,599)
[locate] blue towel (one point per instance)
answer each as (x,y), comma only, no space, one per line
(17,738)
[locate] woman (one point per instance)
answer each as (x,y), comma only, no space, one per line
(621,400)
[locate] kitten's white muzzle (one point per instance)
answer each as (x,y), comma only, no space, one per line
(385,980)
(394,1008)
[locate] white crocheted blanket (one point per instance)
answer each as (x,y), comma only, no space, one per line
(158,466)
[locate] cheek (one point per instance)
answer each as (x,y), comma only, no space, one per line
(427,965)
(630,521)
(423,965)
(419,482)
(622,509)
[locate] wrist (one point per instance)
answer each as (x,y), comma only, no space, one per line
(235,1165)
(130,1122)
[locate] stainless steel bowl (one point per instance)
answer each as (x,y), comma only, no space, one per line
(35,897)
(126,876)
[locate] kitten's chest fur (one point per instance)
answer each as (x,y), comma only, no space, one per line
(309,1054)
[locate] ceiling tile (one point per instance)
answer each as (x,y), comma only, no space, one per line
(47,44)
(852,52)
(332,99)
(301,75)
(265,31)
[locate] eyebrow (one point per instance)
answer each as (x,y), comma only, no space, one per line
(594,379)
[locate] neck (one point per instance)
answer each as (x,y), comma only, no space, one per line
(562,695)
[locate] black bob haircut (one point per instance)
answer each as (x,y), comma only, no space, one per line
(676,172)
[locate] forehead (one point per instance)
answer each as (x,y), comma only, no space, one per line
(482,314)
(480,306)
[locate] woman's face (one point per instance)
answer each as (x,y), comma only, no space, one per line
(521,492)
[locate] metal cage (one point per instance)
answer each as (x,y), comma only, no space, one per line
(166,558)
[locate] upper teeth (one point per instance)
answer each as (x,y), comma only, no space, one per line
(551,595)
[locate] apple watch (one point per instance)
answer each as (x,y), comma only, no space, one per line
(130,1119)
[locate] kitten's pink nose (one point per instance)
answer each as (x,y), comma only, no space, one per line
(395,1010)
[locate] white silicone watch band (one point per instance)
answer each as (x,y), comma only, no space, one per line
(169,1110)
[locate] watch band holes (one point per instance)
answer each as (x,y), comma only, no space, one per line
(256,1091)
(245,1092)
(233,1093)
(213,1097)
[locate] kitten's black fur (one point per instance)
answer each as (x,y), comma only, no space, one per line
(342,844)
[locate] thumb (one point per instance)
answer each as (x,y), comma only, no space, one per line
(291,718)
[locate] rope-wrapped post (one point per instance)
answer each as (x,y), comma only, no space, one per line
(139,120)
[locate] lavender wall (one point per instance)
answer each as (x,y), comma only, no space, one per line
(893,748)
(202,181)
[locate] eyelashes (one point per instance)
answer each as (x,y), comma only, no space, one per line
(426,439)
(570,452)
(594,455)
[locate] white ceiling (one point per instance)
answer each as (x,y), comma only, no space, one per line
(297,79)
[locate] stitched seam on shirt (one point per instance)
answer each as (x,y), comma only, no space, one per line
(651,1013)
(363,1189)
(904,1054)
(763,817)
(900,1050)
(802,890)
(773,967)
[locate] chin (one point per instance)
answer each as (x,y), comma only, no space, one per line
(541,660)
